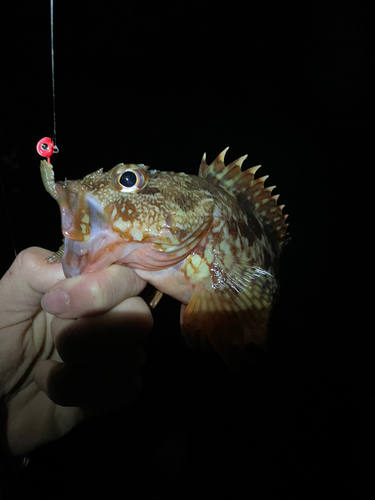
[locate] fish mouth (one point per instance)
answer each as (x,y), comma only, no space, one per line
(93,255)
(89,243)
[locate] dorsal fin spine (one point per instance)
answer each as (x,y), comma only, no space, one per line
(237,182)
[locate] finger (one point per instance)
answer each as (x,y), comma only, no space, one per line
(85,340)
(93,293)
(26,281)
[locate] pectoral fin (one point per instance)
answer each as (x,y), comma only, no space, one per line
(230,312)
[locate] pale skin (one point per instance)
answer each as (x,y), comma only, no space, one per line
(69,348)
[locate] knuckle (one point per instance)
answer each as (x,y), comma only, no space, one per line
(27,258)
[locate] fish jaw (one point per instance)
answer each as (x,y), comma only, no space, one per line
(89,242)
(95,254)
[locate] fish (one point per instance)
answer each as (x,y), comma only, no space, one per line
(212,241)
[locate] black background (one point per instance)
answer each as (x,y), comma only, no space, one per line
(149,83)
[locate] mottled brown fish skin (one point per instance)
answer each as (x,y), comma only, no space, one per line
(211,241)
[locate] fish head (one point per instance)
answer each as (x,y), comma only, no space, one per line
(131,215)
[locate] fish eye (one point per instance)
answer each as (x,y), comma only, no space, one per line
(129,179)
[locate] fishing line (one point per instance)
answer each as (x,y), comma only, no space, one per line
(55,148)
(46,147)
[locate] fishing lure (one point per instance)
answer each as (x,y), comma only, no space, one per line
(46,148)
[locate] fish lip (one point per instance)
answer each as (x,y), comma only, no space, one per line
(79,255)
(69,200)
(74,260)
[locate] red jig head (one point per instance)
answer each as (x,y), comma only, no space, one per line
(46,148)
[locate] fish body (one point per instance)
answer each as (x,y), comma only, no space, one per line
(211,241)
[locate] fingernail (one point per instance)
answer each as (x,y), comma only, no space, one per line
(56,302)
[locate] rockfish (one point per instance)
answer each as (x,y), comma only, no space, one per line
(211,241)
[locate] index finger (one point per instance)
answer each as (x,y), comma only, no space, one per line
(92,293)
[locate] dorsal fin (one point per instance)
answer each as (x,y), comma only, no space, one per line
(250,192)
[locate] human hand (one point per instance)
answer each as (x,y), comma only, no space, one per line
(57,368)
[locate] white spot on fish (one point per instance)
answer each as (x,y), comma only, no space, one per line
(208,254)
(136,234)
(203,270)
(224,247)
(196,260)
(122,225)
(189,270)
